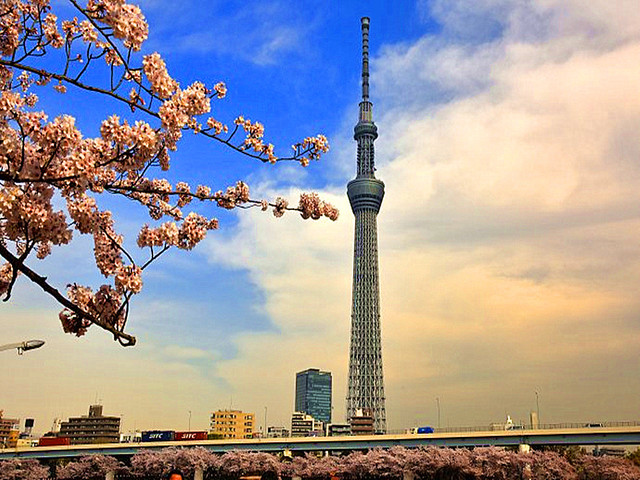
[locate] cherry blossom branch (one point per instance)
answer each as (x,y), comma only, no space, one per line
(40,159)
(46,287)
(14,273)
(46,74)
(299,154)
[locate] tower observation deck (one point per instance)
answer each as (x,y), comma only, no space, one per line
(366,386)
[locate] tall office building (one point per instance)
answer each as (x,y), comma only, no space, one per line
(366,387)
(313,394)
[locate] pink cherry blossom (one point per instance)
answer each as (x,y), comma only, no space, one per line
(23,469)
(93,467)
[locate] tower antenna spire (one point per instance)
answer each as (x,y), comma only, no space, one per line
(365,58)
(366,114)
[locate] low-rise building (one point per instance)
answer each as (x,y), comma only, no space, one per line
(303,425)
(92,428)
(131,437)
(26,443)
(362,423)
(232,424)
(338,429)
(9,430)
(12,440)
(277,432)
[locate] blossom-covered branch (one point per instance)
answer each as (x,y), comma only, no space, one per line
(41,159)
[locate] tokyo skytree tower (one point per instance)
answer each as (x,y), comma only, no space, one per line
(366,386)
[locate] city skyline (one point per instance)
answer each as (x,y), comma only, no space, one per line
(509,250)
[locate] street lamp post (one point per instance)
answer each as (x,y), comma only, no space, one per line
(265,422)
(438,404)
(22,346)
(538,408)
(189,420)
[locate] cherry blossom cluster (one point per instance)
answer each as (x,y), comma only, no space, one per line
(255,133)
(51,32)
(193,229)
(11,12)
(234,196)
(126,20)
(90,467)
(6,274)
(313,148)
(280,208)
(29,215)
(221,89)
(23,469)
(105,305)
(158,464)
(180,111)
(311,206)
(216,126)
(156,72)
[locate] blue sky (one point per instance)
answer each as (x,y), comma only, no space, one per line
(298,73)
(508,236)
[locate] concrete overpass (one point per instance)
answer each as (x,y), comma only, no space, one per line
(626,435)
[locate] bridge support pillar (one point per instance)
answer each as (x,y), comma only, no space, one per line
(110,475)
(524,448)
(198,474)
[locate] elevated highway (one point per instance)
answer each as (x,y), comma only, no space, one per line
(627,435)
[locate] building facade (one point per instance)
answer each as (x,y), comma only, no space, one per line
(277,432)
(365,389)
(304,425)
(338,429)
(232,424)
(9,429)
(362,423)
(313,394)
(93,428)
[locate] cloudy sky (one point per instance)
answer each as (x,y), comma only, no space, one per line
(509,235)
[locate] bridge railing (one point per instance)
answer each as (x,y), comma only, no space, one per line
(542,426)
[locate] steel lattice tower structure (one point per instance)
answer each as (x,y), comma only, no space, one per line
(366,385)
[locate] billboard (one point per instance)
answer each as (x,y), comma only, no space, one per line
(199,435)
(157,436)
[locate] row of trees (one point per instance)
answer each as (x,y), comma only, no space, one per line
(431,463)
